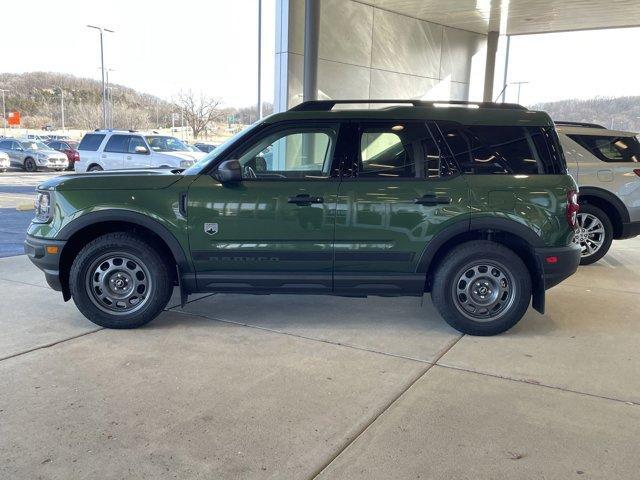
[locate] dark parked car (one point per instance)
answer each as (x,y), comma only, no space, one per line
(205,147)
(69,148)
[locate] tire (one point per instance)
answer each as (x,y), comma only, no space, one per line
(30,165)
(479,268)
(120,281)
(595,232)
(95,168)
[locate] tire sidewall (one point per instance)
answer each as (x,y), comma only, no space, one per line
(30,161)
(445,279)
(160,292)
(608,233)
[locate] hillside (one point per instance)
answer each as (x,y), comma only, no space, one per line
(623,113)
(36,95)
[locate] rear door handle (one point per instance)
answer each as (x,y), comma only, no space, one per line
(431,199)
(304,199)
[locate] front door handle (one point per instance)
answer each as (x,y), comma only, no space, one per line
(431,199)
(304,199)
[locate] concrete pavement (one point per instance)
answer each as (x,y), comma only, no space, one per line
(237,386)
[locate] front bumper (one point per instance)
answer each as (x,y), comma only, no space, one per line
(557,263)
(41,253)
(54,163)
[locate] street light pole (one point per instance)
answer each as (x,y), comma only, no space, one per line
(4,111)
(104,90)
(62,106)
(259,111)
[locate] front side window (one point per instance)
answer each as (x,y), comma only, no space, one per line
(291,154)
(135,142)
(610,149)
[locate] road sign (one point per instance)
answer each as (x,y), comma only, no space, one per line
(13,118)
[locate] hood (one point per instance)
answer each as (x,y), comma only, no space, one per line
(48,152)
(113,180)
(191,156)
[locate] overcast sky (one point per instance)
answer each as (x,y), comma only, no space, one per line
(159,47)
(211,46)
(575,65)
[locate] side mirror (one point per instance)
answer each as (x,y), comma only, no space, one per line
(140,149)
(229,171)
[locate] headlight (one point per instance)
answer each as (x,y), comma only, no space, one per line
(42,207)
(186,163)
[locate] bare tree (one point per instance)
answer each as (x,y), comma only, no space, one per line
(199,110)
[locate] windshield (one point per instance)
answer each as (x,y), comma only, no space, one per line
(33,145)
(167,144)
(197,167)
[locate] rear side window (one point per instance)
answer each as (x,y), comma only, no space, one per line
(402,150)
(610,149)
(503,150)
(117,144)
(6,144)
(91,141)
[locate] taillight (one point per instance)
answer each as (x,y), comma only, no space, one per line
(572,208)
(76,156)
(637,171)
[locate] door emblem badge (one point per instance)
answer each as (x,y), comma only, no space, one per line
(210,228)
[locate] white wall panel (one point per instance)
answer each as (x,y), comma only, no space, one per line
(345,32)
(405,45)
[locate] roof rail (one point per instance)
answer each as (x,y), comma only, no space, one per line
(326,105)
(579,124)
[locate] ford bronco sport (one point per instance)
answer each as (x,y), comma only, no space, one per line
(471,202)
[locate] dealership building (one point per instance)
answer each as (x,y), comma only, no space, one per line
(453,50)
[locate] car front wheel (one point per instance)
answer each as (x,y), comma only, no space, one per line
(30,165)
(481,288)
(594,233)
(119,281)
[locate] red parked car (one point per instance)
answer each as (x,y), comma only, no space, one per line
(69,148)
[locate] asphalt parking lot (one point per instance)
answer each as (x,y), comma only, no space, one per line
(234,386)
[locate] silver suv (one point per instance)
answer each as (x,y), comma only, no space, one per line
(33,155)
(606,165)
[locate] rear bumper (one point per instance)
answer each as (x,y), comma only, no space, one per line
(49,263)
(630,230)
(557,263)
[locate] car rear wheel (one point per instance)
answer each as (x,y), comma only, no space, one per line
(30,165)
(95,168)
(594,233)
(119,281)
(481,288)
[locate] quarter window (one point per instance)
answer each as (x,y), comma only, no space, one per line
(610,149)
(290,154)
(506,150)
(91,142)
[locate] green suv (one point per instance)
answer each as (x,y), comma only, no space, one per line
(469,201)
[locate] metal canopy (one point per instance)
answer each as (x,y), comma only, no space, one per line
(520,16)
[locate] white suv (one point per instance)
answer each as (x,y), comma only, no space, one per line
(120,149)
(606,165)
